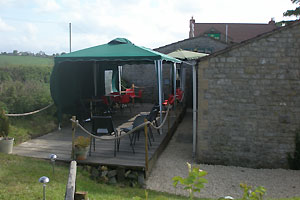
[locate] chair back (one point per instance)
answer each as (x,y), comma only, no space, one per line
(102,125)
(140,93)
(125,99)
(153,114)
(130,92)
(171,99)
(115,99)
(104,99)
(138,121)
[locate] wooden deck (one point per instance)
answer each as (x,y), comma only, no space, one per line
(60,142)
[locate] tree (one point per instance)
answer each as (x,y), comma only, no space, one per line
(295,12)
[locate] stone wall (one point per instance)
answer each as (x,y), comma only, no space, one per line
(145,75)
(249,101)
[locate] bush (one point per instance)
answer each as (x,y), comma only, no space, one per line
(4,124)
(194,182)
(24,88)
(19,97)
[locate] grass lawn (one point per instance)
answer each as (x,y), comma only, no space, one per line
(19,181)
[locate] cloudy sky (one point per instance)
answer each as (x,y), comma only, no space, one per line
(43,25)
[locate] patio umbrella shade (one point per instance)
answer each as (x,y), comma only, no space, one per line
(186,55)
(80,74)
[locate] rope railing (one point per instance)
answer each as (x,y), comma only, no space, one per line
(111,137)
(164,120)
(29,113)
(108,137)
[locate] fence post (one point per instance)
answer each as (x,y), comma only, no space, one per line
(146,145)
(73,136)
(71,185)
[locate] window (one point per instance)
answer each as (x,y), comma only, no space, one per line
(214,35)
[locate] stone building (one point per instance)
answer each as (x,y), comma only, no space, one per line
(145,75)
(249,101)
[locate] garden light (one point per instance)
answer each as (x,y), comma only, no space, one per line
(53,157)
(44,180)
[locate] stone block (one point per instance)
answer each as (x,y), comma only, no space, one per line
(250,70)
(121,174)
(141,179)
(112,180)
(112,173)
(231,59)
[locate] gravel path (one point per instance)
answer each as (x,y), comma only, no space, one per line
(222,180)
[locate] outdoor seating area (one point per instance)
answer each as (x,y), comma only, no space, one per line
(128,151)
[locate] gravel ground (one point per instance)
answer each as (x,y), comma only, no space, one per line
(222,180)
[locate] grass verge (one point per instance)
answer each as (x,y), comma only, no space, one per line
(19,180)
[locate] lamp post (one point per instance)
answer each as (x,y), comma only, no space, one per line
(44,180)
(53,157)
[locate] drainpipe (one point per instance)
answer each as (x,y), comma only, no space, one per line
(226,33)
(194,111)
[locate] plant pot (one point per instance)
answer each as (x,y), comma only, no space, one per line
(81,153)
(6,145)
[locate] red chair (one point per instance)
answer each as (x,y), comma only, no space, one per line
(179,94)
(115,99)
(125,100)
(130,92)
(105,101)
(139,96)
(169,101)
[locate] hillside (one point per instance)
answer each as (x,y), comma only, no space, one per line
(9,60)
(25,87)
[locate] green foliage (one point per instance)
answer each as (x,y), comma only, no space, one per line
(193,183)
(24,83)
(19,97)
(4,124)
(82,142)
(295,12)
(294,160)
(249,194)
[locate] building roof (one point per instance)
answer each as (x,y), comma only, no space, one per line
(238,32)
(243,43)
(189,39)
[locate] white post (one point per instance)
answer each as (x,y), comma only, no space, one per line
(194,111)
(160,90)
(120,83)
(174,83)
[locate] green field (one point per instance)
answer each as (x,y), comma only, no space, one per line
(7,60)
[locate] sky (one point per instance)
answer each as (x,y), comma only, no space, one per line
(43,25)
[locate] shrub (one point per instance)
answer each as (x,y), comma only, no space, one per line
(249,194)
(193,183)
(4,124)
(82,142)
